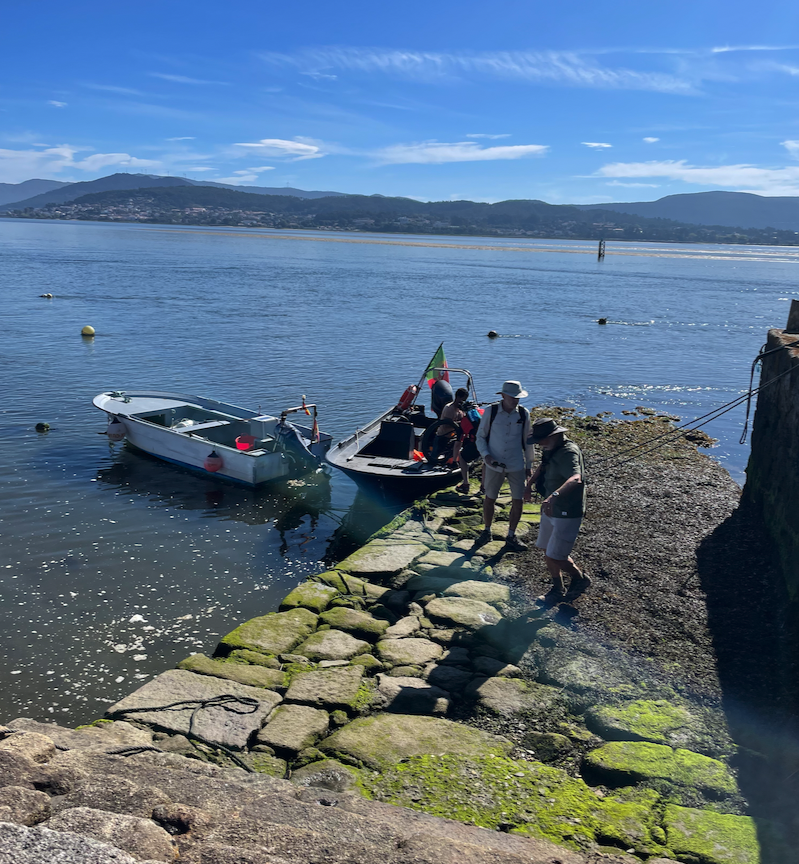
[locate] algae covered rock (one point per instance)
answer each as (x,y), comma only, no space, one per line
(473,614)
(408,652)
(315,596)
(332,645)
(360,624)
(294,727)
(378,560)
(254,658)
(334,688)
(253,676)
(711,837)
(275,633)
(508,696)
(385,739)
(639,761)
(487,592)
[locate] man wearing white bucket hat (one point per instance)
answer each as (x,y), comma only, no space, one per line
(502,442)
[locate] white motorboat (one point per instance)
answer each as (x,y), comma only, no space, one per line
(213,437)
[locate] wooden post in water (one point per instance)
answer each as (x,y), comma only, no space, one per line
(601,253)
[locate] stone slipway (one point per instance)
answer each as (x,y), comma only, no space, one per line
(414,673)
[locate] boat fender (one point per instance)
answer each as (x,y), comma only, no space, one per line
(213,462)
(116,429)
(407,398)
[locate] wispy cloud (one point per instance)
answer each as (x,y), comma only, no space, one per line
(112,88)
(633,185)
(18,165)
(485,135)
(276,148)
(727,49)
(792,147)
(183,79)
(182,138)
(558,67)
(745,178)
(56,104)
(437,153)
(596,145)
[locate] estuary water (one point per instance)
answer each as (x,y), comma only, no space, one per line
(115,566)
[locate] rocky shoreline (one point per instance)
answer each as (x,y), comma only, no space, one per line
(420,672)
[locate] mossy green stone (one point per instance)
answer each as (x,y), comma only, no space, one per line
(640,761)
(385,739)
(310,595)
(275,633)
(255,658)
(342,582)
(488,592)
(262,763)
(655,720)
(360,624)
(330,644)
(712,838)
(377,559)
(254,676)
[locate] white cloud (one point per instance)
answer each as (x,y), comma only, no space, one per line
(239,178)
(726,49)
(259,170)
(492,137)
(436,153)
(633,185)
(19,165)
(183,79)
(56,104)
(596,145)
(650,140)
(111,88)
(194,168)
(295,150)
(561,67)
(182,138)
(744,178)
(792,147)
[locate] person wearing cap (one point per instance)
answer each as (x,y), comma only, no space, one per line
(502,442)
(560,478)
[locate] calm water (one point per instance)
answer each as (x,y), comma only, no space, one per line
(115,566)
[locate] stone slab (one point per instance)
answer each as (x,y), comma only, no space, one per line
(412,695)
(444,559)
(408,652)
(214,724)
(275,633)
(315,596)
(386,739)
(294,727)
(331,688)
(332,645)
(377,560)
(359,624)
(473,614)
(509,696)
(487,592)
(19,845)
(252,676)
(404,627)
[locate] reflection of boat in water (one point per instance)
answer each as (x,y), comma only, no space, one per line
(286,504)
(402,452)
(214,437)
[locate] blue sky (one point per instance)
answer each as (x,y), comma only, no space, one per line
(567,102)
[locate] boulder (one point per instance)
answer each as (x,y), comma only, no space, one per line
(487,592)
(331,688)
(254,658)
(448,678)
(376,560)
(252,676)
(230,724)
(494,668)
(473,614)
(332,645)
(30,745)
(101,735)
(315,596)
(23,806)
(404,627)
(275,633)
(444,559)
(386,739)
(294,727)
(508,696)
(423,583)
(412,696)
(408,652)
(141,838)
(360,624)
(20,845)
(116,795)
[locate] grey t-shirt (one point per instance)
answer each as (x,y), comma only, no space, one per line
(559,465)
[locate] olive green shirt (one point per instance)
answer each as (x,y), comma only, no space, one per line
(558,466)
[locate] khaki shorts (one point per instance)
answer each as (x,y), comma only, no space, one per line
(557,536)
(492,481)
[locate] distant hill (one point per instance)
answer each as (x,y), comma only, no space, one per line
(10,192)
(61,193)
(734,209)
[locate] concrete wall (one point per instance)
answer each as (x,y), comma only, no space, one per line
(772,475)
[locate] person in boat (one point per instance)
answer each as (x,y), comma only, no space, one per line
(560,478)
(441,394)
(455,412)
(502,442)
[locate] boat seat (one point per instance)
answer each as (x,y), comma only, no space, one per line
(393,441)
(211,424)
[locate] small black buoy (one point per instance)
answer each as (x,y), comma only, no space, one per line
(492,334)
(602,321)
(42,427)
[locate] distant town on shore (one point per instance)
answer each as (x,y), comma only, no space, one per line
(179,201)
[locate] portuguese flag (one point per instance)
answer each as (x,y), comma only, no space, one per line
(438,360)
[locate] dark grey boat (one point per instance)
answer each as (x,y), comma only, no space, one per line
(399,452)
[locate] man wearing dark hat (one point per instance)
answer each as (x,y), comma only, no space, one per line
(561,479)
(502,442)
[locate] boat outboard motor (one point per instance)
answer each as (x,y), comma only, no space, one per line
(441,396)
(291,440)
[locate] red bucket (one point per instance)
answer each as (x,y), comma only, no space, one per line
(245,442)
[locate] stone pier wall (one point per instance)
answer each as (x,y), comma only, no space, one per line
(772,476)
